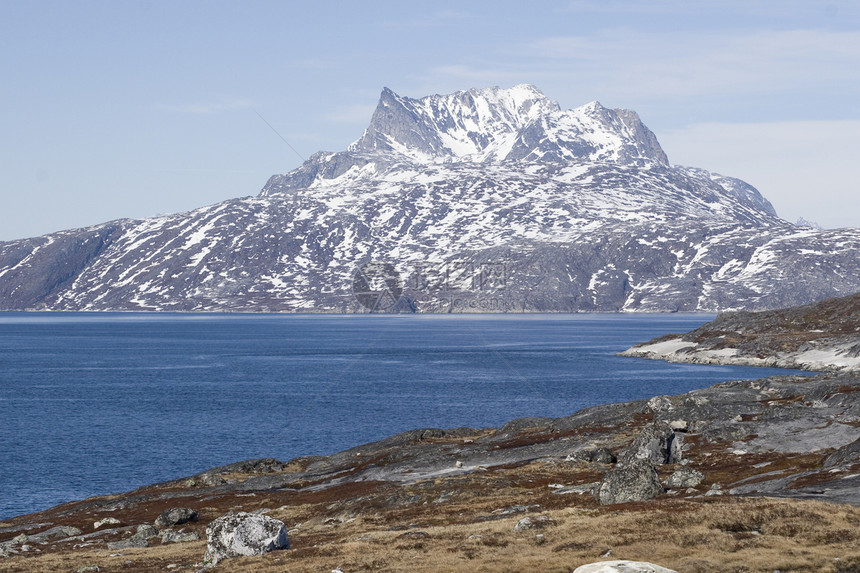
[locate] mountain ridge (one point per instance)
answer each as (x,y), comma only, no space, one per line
(568,210)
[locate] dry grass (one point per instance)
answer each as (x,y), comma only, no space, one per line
(454,524)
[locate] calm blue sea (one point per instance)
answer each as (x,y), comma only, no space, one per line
(94,404)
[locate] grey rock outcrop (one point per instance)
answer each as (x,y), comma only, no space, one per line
(171,536)
(636,480)
(141,538)
(536,522)
(21,542)
(847,454)
(684,477)
(53,534)
(106,521)
(595,455)
(146,531)
(657,443)
(175,516)
(660,404)
(237,534)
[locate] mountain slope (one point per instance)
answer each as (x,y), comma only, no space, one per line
(483,200)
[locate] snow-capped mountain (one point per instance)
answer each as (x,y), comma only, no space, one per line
(481,200)
(495,124)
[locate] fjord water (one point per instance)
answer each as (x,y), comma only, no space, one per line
(95,404)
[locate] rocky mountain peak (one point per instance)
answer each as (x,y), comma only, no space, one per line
(495,124)
(473,123)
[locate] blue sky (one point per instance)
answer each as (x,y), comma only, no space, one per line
(133,108)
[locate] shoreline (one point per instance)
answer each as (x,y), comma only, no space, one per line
(830,359)
(762,474)
(822,337)
(791,437)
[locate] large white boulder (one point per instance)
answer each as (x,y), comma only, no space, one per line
(236,534)
(622,567)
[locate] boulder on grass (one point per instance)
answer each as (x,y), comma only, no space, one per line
(536,522)
(145,532)
(622,567)
(106,521)
(171,536)
(636,480)
(238,534)
(175,516)
(53,534)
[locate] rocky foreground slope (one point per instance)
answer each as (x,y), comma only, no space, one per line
(485,200)
(676,480)
(820,336)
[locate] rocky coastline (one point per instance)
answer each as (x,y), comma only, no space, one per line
(823,336)
(751,475)
(790,437)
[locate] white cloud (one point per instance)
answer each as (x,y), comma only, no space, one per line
(805,168)
(626,67)
(676,64)
(740,11)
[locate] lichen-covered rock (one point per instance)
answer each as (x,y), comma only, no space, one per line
(21,542)
(171,536)
(141,538)
(536,522)
(236,534)
(657,443)
(106,521)
(659,404)
(636,480)
(175,516)
(684,477)
(596,455)
(622,567)
(53,534)
(146,531)
(212,479)
(261,466)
